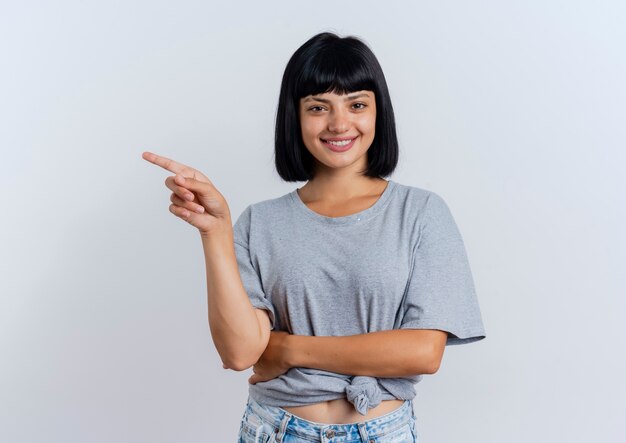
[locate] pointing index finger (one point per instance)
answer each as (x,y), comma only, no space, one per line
(164,162)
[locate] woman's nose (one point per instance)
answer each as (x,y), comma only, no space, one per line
(338,122)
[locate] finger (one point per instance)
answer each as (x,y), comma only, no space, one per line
(182,192)
(165,163)
(205,188)
(183,213)
(186,204)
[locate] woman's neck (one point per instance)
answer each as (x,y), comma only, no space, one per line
(335,190)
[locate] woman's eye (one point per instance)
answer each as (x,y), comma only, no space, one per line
(361,105)
(315,108)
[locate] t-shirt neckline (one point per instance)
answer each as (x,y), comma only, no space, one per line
(352,218)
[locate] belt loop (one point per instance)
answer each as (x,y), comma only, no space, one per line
(363,432)
(283,427)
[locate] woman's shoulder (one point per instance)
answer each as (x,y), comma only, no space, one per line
(270,206)
(423,204)
(264,210)
(412,195)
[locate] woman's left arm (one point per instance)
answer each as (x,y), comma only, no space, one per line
(391,353)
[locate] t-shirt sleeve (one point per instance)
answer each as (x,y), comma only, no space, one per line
(250,275)
(440,293)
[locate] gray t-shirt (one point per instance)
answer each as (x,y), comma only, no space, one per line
(399,264)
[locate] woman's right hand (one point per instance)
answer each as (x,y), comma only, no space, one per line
(194,198)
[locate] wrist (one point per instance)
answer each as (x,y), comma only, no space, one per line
(223,231)
(222,237)
(292,346)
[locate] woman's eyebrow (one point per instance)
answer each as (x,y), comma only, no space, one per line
(323,100)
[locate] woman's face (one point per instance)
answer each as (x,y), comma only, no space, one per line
(329,121)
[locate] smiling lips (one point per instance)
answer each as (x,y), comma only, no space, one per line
(338,144)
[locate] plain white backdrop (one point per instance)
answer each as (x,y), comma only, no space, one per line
(513,112)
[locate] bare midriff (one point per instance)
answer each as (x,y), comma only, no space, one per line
(341,411)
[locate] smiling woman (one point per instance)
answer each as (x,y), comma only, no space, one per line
(354,267)
(340,294)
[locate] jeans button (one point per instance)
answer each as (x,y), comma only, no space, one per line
(330,433)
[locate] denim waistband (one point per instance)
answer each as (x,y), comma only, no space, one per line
(283,421)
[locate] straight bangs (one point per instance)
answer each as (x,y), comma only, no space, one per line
(341,72)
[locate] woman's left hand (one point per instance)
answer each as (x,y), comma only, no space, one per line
(272,362)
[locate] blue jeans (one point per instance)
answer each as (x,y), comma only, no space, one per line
(270,424)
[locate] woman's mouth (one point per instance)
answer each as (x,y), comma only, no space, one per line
(339,146)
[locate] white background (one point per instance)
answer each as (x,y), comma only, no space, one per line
(513,112)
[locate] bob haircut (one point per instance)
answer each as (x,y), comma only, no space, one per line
(329,63)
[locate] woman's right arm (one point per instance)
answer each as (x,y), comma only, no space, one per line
(240,332)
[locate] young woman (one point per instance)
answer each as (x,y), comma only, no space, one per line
(342,293)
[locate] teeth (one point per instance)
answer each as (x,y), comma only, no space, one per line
(341,143)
